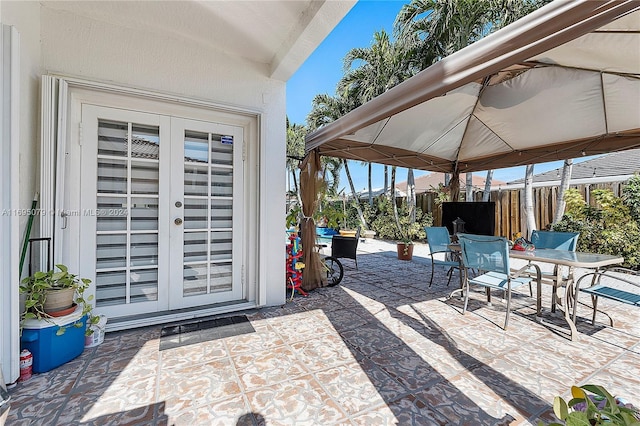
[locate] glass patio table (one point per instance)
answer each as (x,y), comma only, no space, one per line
(570,259)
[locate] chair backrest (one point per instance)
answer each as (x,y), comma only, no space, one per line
(485,253)
(438,238)
(555,240)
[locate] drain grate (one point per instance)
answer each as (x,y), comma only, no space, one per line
(176,335)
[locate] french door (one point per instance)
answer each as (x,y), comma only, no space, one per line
(161,211)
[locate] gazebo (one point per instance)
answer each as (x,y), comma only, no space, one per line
(560,83)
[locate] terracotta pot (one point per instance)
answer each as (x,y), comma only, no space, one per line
(63,312)
(58,300)
(405,251)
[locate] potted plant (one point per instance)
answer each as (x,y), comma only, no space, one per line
(405,248)
(53,294)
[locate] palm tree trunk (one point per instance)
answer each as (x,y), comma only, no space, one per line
(386,180)
(530,219)
(393,199)
(564,185)
(411,194)
(295,187)
(355,195)
(370,188)
(468,196)
(454,185)
(487,186)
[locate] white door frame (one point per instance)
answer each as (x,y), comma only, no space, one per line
(9,202)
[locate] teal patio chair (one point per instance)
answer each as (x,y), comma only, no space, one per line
(557,241)
(438,239)
(490,256)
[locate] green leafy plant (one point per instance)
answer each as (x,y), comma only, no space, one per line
(330,213)
(382,221)
(293,216)
(631,196)
(593,405)
(37,287)
(606,227)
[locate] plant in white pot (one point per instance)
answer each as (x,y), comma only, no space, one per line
(53,294)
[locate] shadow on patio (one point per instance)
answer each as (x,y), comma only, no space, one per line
(379,349)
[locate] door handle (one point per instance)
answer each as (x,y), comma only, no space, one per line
(178,221)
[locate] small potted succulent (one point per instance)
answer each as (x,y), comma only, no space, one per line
(53,294)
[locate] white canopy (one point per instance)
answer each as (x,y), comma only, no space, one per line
(559,83)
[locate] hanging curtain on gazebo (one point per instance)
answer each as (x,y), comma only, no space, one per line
(310,185)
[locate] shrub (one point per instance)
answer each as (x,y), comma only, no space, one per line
(606,228)
(380,219)
(631,196)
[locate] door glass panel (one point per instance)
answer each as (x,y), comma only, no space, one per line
(195,179)
(144,177)
(144,250)
(221,150)
(195,246)
(146,142)
(195,213)
(144,285)
(221,213)
(111,251)
(221,182)
(196,145)
(112,176)
(221,245)
(144,214)
(111,214)
(221,277)
(111,288)
(112,138)
(194,279)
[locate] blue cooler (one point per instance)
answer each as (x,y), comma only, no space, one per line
(50,350)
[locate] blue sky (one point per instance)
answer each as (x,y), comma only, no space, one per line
(323,69)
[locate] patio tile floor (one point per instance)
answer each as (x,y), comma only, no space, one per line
(380,349)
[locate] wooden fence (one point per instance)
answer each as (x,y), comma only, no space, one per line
(510,205)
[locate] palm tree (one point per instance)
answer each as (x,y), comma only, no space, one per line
(564,185)
(487,186)
(530,219)
(326,109)
(371,71)
(295,151)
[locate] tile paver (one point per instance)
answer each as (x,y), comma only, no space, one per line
(380,349)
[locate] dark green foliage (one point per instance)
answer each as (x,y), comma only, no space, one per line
(381,220)
(631,196)
(607,228)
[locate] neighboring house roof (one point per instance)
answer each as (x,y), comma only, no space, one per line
(379,191)
(615,167)
(432,180)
